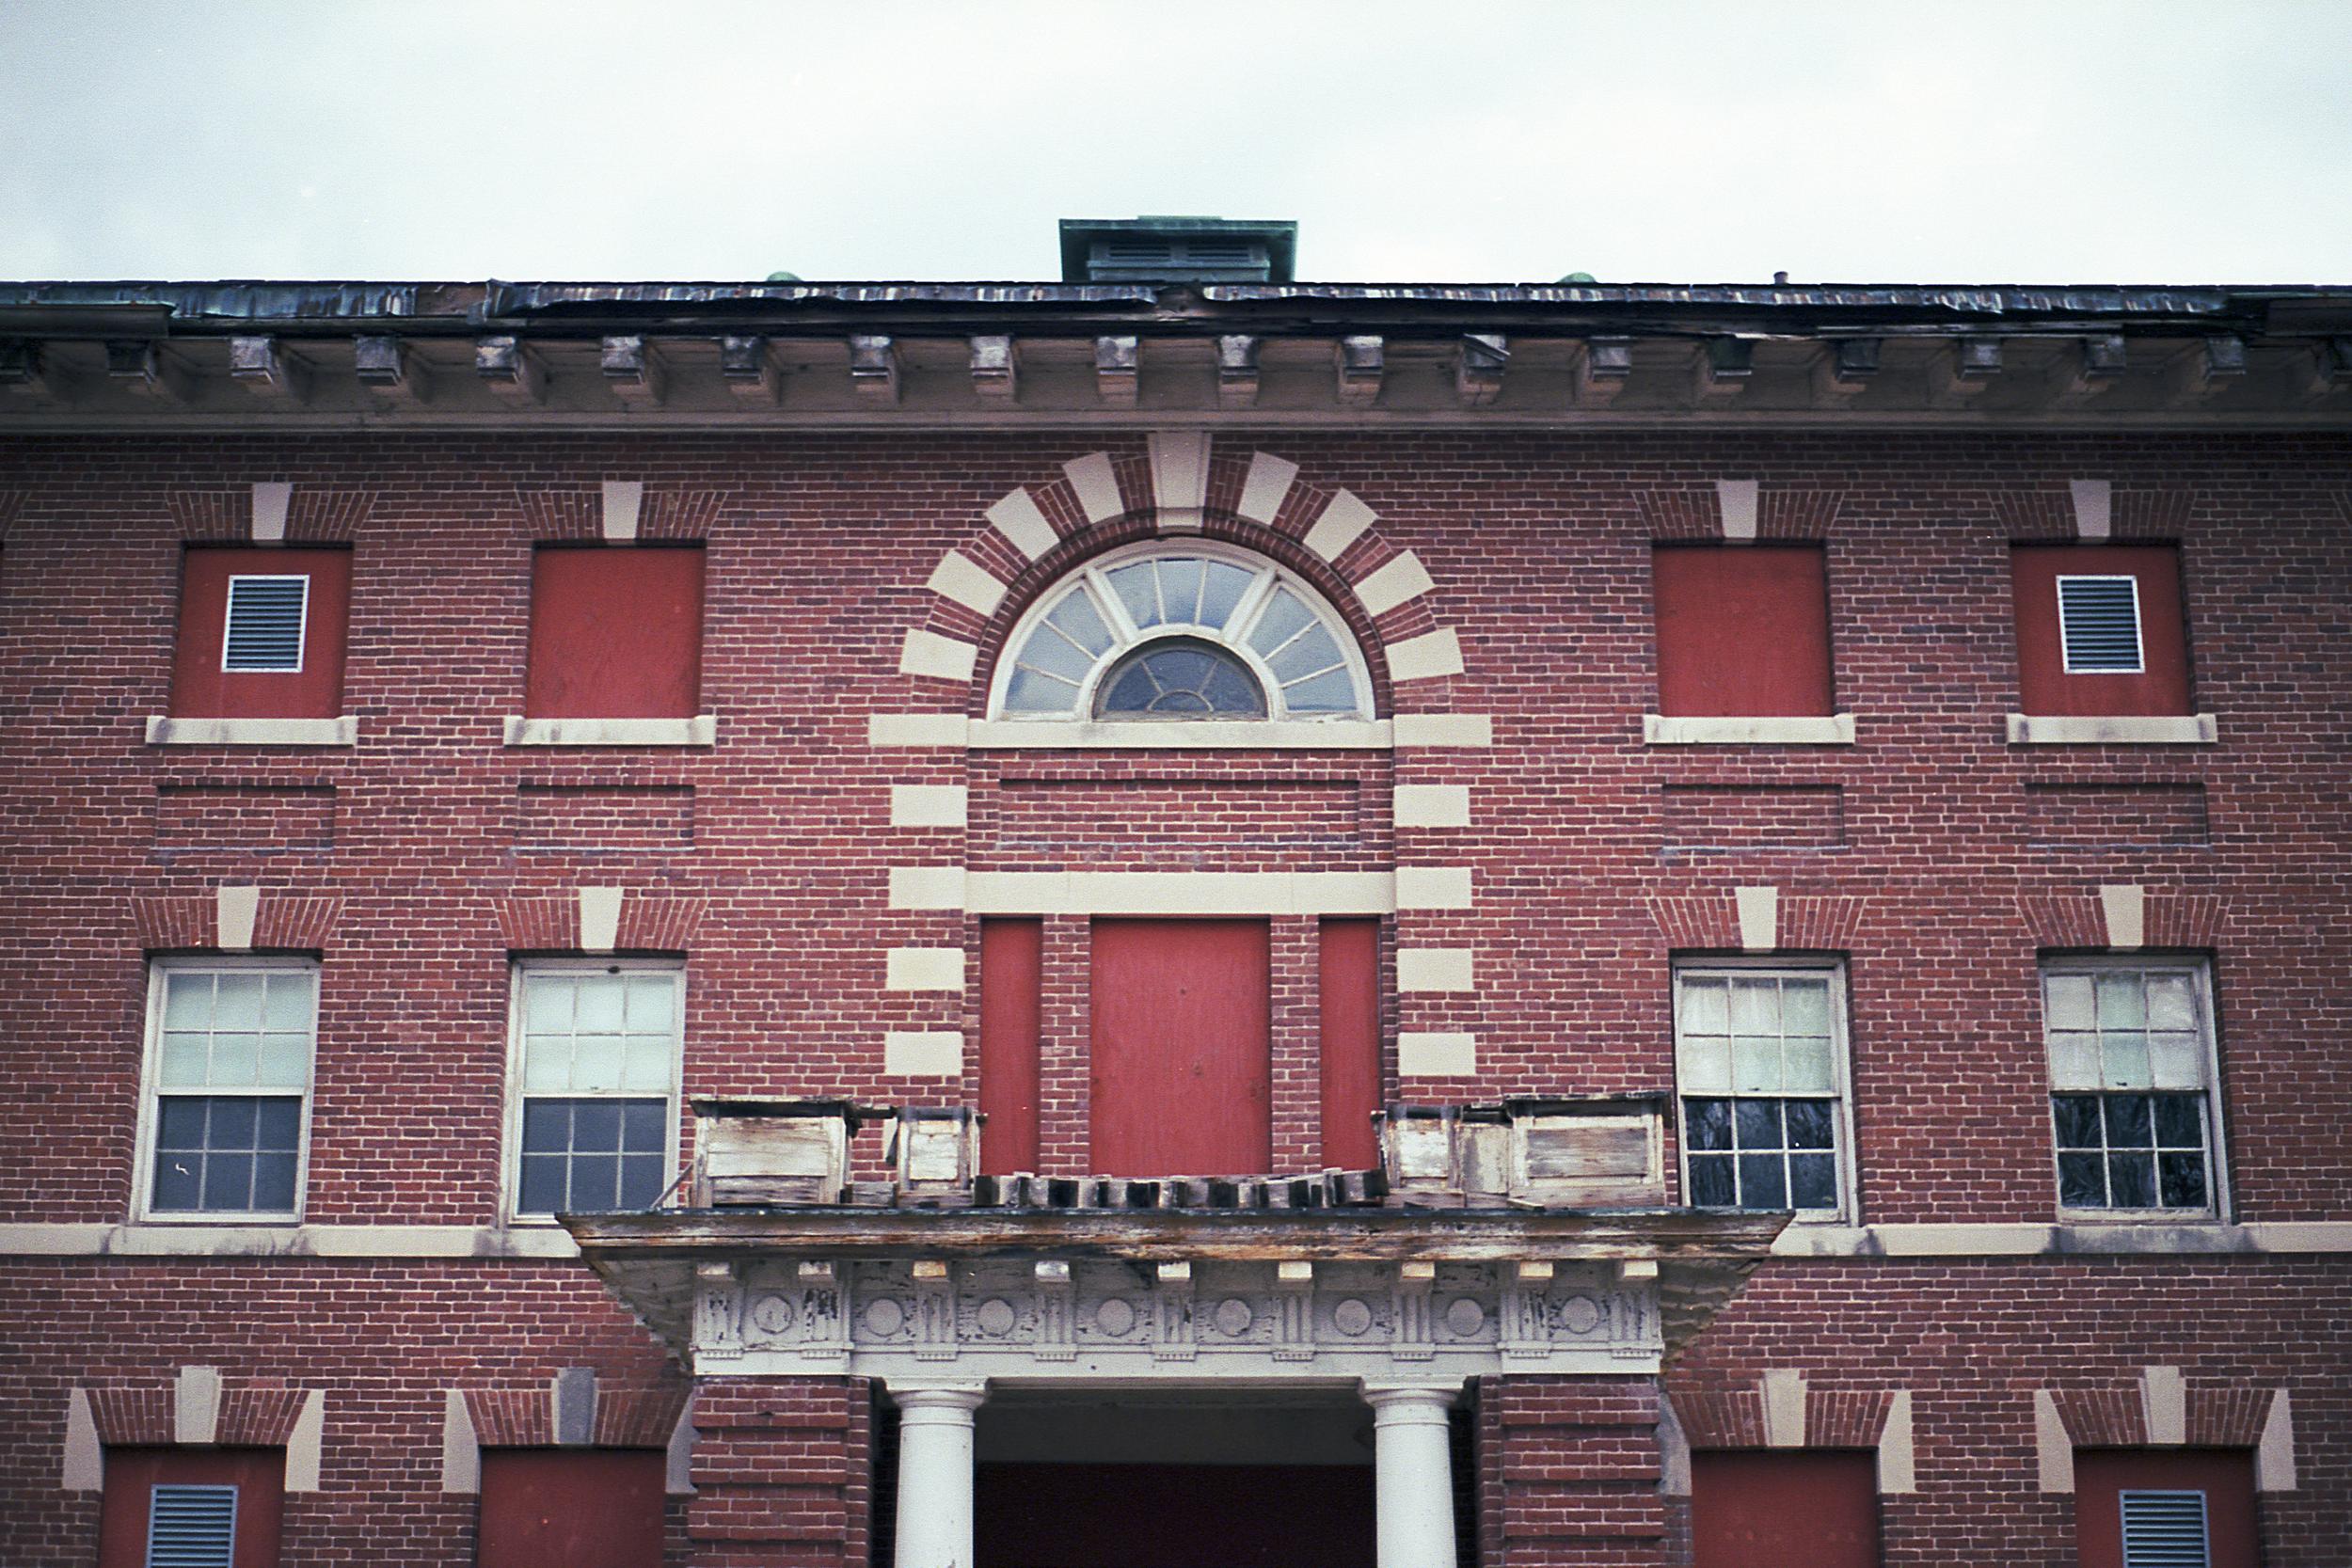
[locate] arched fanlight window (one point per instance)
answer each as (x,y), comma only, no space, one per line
(1191,631)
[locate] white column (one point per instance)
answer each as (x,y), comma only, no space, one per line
(1413,1476)
(935,1474)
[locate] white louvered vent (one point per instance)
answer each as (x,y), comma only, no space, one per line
(265,623)
(191,1527)
(2164,1529)
(2099,624)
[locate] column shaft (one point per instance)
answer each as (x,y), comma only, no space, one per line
(936,1476)
(1413,1477)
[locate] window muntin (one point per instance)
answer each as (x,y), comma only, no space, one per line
(1179,677)
(1271,626)
(232,1044)
(1760,1065)
(2131,1053)
(593,1124)
(2099,625)
(262,629)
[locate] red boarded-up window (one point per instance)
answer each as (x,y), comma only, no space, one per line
(2164,1508)
(1180,1078)
(261,634)
(1348,989)
(192,1506)
(2099,630)
(1012,979)
(615,633)
(570,1508)
(1774,1509)
(1742,630)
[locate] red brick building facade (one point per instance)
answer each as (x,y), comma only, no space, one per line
(450,729)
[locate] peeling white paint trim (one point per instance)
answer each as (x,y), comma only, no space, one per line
(1019,520)
(1265,486)
(1432,654)
(1759,918)
(930,654)
(1736,500)
(923,1054)
(599,919)
(1342,522)
(1432,805)
(623,499)
(2094,508)
(958,576)
(1396,580)
(272,501)
(235,912)
(930,805)
(1096,484)
(2124,905)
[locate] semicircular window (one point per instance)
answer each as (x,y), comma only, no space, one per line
(1177,632)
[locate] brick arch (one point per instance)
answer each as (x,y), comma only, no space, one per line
(1033,536)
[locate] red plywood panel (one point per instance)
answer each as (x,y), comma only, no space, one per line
(2225,1475)
(1349,985)
(200,689)
(615,633)
(570,1508)
(1742,630)
(1013,955)
(1778,1508)
(1168,1516)
(2042,683)
(1182,1069)
(133,1474)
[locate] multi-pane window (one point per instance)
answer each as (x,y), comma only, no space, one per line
(1760,1062)
(598,1063)
(228,1074)
(2131,1076)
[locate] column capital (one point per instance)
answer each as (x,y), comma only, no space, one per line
(952,1401)
(1406,1403)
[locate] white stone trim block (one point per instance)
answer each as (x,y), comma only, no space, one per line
(1674,1451)
(305,1442)
(927,887)
(1436,1055)
(2188,729)
(1434,969)
(1423,657)
(2094,508)
(623,499)
(1096,484)
(923,1054)
(958,576)
(1432,805)
(1736,499)
(272,499)
(1394,581)
(2163,1398)
(1180,477)
(1433,887)
(1784,1408)
(599,919)
(1206,893)
(677,1479)
(461,1450)
(1342,522)
(1018,519)
(936,657)
(1294,735)
(2124,905)
(1759,918)
(1659,729)
(195,1406)
(161,731)
(2053,1446)
(1443,730)
(1898,1463)
(2274,1452)
(84,1466)
(923,969)
(930,805)
(917,729)
(1263,488)
(701,730)
(234,911)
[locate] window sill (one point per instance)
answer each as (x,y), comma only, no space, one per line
(1659,729)
(253,732)
(2188,729)
(1335,734)
(701,730)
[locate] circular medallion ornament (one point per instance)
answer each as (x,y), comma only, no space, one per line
(1114,1317)
(884,1317)
(1580,1314)
(1351,1317)
(772,1314)
(1233,1317)
(995,1317)
(1465,1318)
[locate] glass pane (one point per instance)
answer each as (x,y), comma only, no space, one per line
(595,1180)
(227,1182)
(2121,1003)
(1809,1067)
(1712,1184)
(1758,1124)
(233,1123)
(1314,650)
(643,1178)
(2069,997)
(644,1125)
(1755,1066)
(2082,1180)
(187,1001)
(601,1007)
(1805,1007)
(2175,1061)
(2076,1117)
(1810,1124)
(1050,651)
(1225,585)
(648,1064)
(1133,690)
(2171,1002)
(1075,618)
(652,1004)
(1755,1008)
(2128,1121)
(1705,1007)
(1333,691)
(1183,679)
(285,1062)
(1137,593)
(184,1062)
(543,1184)
(277,1125)
(287,1004)
(547,1127)
(1706,1123)
(237,1002)
(595,1127)
(546,1063)
(274,1182)
(595,1064)
(1762,1182)
(1180,590)
(547,1003)
(1812,1181)
(2075,1061)
(1280,622)
(2132,1181)
(2123,1060)
(2178,1125)
(178,1180)
(1031,692)
(180,1122)
(235,1058)
(1706,1066)
(2182,1180)
(1232,689)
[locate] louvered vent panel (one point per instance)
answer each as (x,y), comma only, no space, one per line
(191,1527)
(2164,1529)
(1215,253)
(265,623)
(2099,619)
(1138,253)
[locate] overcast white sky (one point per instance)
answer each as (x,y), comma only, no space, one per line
(2064,140)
